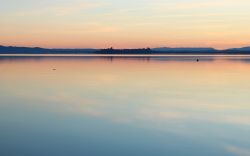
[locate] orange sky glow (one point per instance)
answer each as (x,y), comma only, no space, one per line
(132,24)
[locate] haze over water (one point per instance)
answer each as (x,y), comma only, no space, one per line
(126,106)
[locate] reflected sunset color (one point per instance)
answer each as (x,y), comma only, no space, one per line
(148,106)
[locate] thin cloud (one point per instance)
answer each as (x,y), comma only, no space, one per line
(63,9)
(74,8)
(238,150)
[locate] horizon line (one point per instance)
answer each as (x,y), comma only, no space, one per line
(122,48)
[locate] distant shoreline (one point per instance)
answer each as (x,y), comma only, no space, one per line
(111,51)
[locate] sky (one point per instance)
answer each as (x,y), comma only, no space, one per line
(125,23)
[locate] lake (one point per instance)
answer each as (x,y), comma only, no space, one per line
(124,105)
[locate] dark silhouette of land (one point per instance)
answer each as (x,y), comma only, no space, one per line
(143,51)
(38,50)
(125,51)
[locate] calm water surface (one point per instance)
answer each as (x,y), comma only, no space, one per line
(125,106)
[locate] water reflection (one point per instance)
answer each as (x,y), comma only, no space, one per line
(154,105)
